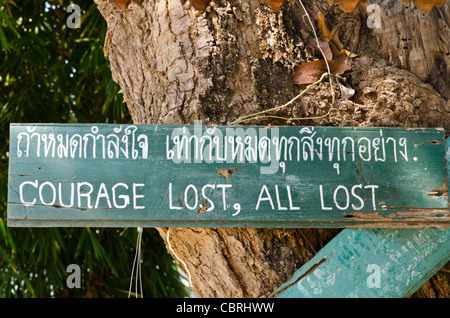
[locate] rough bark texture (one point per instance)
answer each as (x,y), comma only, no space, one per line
(417,42)
(175,64)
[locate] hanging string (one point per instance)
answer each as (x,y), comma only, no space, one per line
(179,259)
(138,266)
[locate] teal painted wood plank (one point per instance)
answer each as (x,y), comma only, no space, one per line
(198,176)
(372,263)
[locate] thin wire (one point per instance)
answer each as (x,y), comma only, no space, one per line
(137,255)
(140,229)
(318,44)
(260,114)
(329,74)
(132,273)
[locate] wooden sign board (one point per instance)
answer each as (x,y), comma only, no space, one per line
(372,263)
(202,176)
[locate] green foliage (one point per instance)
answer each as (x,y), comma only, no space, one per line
(52,73)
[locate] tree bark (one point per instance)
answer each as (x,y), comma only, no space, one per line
(176,64)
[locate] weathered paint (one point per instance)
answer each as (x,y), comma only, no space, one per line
(372,263)
(115,176)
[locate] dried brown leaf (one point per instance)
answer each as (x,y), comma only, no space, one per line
(275,4)
(423,5)
(348,5)
(311,72)
(426,5)
(324,45)
(325,32)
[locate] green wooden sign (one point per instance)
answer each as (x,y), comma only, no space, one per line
(372,263)
(197,176)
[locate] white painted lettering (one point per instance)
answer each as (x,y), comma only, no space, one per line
(53,195)
(194,195)
(267,198)
(102,193)
(346,200)
(137,196)
(224,196)
(211,203)
(125,198)
(82,185)
(344,197)
(87,195)
(291,207)
(171,206)
(71,195)
(278,199)
(361,201)
(27,203)
(322,204)
(373,187)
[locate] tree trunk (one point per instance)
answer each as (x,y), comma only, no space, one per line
(176,64)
